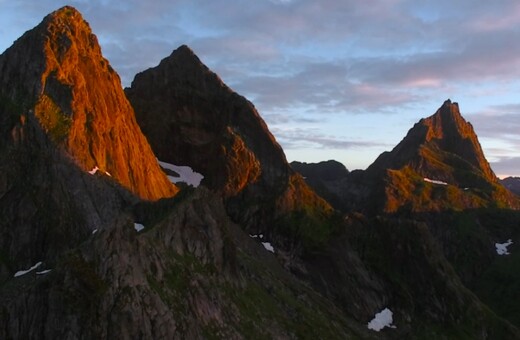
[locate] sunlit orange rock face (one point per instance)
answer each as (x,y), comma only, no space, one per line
(192,118)
(58,71)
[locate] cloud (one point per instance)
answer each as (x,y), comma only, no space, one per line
(499,121)
(509,166)
(300,138)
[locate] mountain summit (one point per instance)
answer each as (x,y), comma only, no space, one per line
(438,145)
(57,74)
(192,118)
(438,165)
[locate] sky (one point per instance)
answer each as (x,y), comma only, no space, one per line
(333,79)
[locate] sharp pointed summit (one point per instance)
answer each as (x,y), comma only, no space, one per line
(442,148)
(56,73)
(192,118)
(438,145)
(438,165)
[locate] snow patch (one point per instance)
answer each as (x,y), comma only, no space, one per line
(43,272)
(23,272)
(138,227)
(96,169)
(381,320)
(186,174)
(268,246)
(502,247)
(94,231)
(434,181)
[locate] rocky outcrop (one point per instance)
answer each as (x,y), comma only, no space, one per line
(323,177)
(328,170)
(57,74)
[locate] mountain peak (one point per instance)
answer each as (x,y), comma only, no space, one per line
(184,54)
(184,49)
(57,71)
(65,27)
(448,122)
(443,141)
(66,12)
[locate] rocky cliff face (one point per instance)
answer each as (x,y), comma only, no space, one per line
(192,118)
(57,74)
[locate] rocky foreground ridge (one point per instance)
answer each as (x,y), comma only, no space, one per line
(253,252)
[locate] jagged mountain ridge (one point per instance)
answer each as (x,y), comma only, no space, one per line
(57,73)
(192,273)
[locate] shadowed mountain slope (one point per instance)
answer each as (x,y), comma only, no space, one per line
(323,177)
(192,118)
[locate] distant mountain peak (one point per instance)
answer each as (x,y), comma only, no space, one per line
(440,149)
(444,133)
(185,49)
(185,54)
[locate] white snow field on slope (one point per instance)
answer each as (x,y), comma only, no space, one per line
(186,174)
(381,320)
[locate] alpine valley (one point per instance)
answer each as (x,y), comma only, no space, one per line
(167,210)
